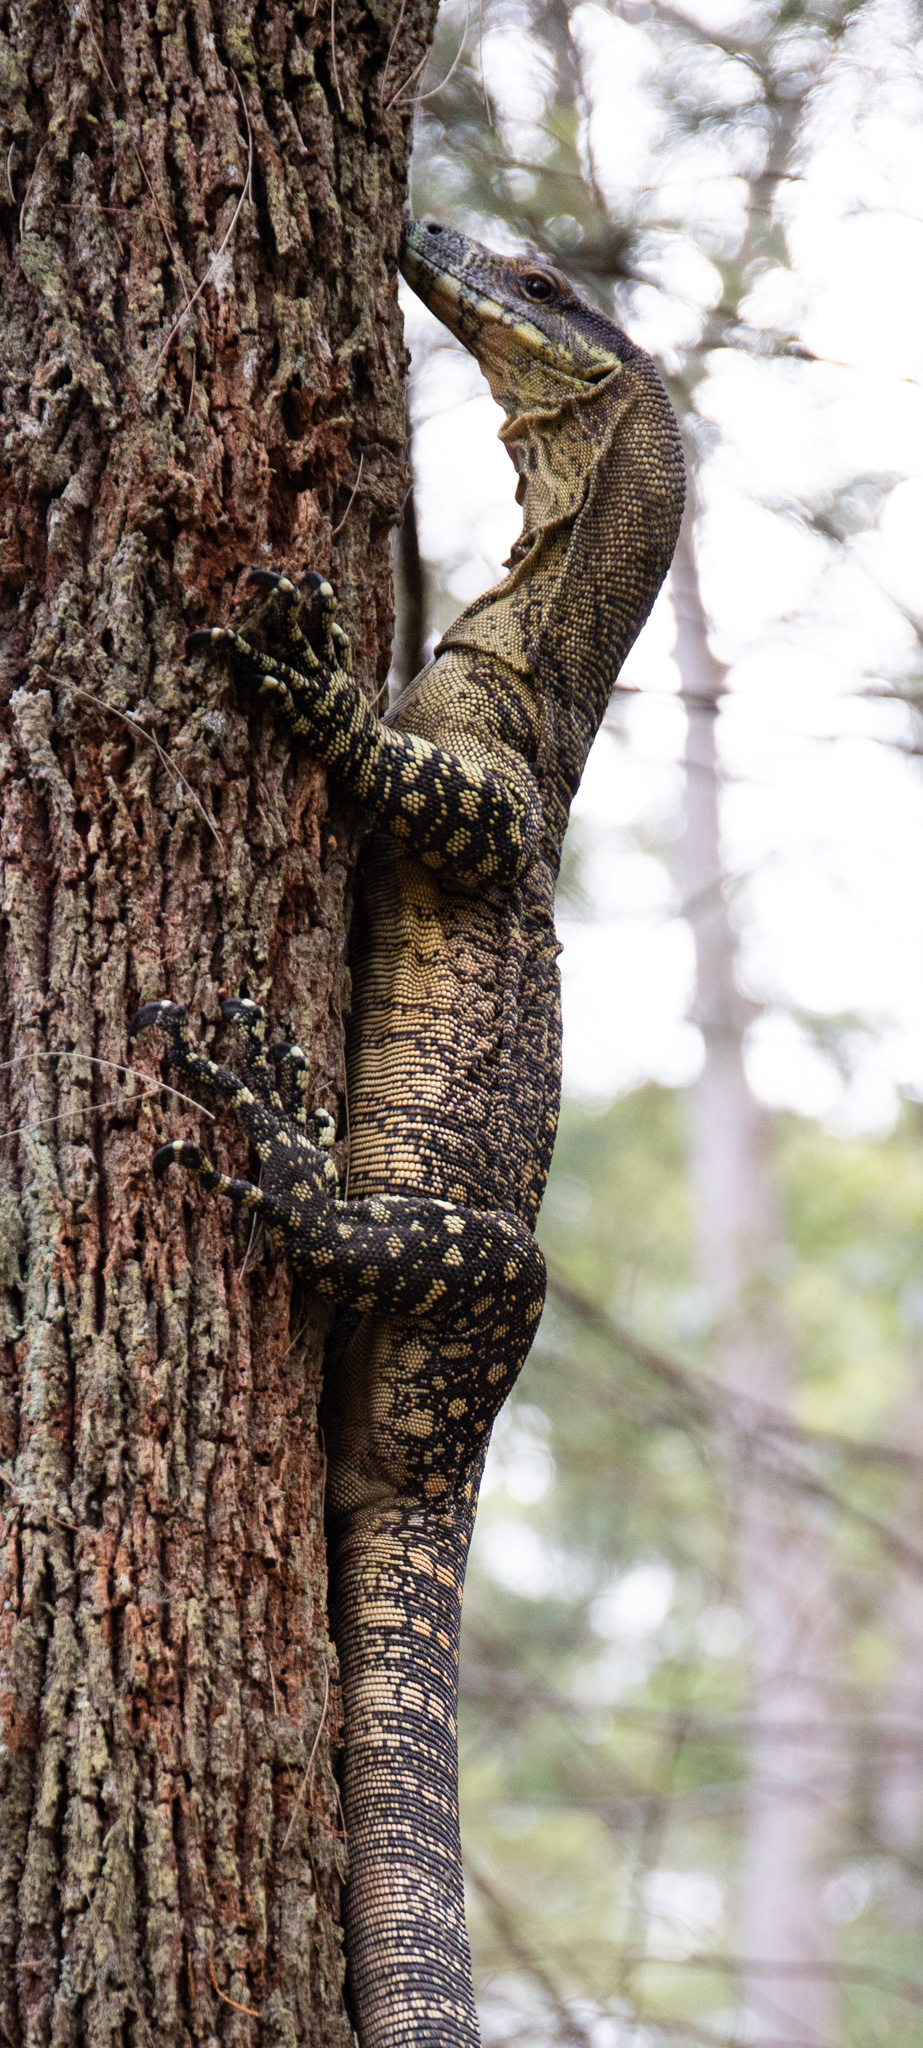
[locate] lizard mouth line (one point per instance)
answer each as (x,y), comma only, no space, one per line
(466,308)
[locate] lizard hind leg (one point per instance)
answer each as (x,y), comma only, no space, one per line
(299,1179)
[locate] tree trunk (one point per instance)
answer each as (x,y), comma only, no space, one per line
(200,364)
(898,1759)
(783,1579)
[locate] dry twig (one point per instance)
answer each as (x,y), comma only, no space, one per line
(339,528)
(250,2010)
(333,55)
(302,1789)
(417,99)
(135,723)
(93,1060)
(387,62)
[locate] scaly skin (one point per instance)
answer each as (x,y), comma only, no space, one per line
(453,1064)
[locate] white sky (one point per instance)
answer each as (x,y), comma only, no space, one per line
(823,823)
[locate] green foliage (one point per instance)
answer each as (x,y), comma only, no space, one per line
(604,1679)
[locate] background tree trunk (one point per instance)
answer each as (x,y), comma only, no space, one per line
(200,352)
(784,1579)
(898,1751)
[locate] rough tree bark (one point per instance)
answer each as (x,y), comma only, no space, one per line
(200,353)
(784,1579)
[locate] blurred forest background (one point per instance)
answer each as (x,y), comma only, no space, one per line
(692,1735)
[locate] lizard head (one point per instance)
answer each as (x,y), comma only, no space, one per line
(537,340)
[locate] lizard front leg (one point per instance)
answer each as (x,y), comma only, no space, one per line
(474,815)
(414,1256)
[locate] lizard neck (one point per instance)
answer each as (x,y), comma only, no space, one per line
(601,486)
(555,453)
(602,492)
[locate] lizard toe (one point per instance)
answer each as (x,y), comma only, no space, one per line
(293,1079)
(206,639)
(274,580)
(162,1012)
(179,1153)
(325,1129)
(282,1050)
(243,1011)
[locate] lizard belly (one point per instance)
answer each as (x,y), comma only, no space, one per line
(453,1035)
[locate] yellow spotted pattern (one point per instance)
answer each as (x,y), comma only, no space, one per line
(453,1068)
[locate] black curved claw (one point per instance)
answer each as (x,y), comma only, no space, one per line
(179,1153)
(321,590)
(280,1051)
(162,1012)
(273,579)
(313,585)
(205,636)
(235,1007)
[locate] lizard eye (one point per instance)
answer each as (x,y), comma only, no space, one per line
(537,285)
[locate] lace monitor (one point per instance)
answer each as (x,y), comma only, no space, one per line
(453,1062)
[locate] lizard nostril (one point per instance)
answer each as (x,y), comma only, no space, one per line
(433,227)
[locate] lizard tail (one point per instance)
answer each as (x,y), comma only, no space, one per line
(398,1575)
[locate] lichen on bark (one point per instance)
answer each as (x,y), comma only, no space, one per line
(200,355)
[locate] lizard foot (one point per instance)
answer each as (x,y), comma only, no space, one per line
(283,1219)
(422,1257)
(294,1080)
(304,617)
(297,1175)
(306,662)
(171,1019)
(279,1074)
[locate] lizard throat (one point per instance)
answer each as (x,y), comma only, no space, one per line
(555,454)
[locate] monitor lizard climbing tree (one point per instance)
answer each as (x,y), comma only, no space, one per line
(453,1063)
(200,350)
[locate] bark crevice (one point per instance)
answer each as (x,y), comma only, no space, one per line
(163,1636)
